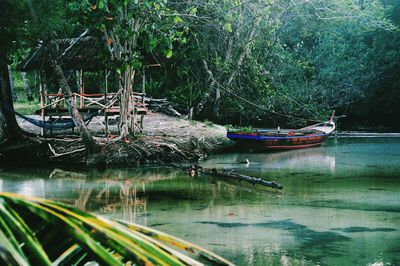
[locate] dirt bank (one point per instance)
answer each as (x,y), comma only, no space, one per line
(165,139)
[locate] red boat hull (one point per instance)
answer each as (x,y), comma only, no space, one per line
(286,139)
(278,143)
(295,143)
(278,147)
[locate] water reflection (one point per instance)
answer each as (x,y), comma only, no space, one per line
(302,159)
(340,204)
(107,192)
(317,158)
(116,192)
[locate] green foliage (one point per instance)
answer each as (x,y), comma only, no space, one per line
(26,108)
(35,231)
(234,129)
(228,27)
(136,28)
(307,58)
(289,58)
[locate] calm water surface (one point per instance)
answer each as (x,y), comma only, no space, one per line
(340,204)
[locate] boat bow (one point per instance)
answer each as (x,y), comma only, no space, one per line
(326,127)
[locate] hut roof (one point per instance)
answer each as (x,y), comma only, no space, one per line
(88,53)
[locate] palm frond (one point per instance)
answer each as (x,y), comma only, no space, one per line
(36,231)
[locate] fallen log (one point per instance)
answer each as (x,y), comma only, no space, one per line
(165,108)
(159,105)
(195,170)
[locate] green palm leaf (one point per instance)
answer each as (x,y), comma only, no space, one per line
(36,231)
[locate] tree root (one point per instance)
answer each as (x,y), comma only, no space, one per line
(144,150)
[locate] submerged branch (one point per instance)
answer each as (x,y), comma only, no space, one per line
(193,170)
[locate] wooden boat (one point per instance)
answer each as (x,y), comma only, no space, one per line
(282,139)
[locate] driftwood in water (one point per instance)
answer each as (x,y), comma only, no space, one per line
(193,170)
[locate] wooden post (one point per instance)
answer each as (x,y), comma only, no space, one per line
(143,93)
(51,121)
(82,89)
(42,103)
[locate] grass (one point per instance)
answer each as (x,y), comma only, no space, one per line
(25,107)
(209,123)
(21,105)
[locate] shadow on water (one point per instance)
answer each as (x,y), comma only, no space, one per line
(158,224)
(356,229)
(344,205)
(314,245)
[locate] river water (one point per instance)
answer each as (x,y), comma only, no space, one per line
(340,204)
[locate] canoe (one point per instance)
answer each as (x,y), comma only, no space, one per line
(284,139)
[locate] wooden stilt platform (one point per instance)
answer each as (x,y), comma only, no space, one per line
(53,107)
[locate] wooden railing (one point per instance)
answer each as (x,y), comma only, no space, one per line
(100,100)
(95,101)
(108,104)
(53,101)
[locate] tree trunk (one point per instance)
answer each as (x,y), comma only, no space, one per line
(11,127)
(77,80)
(15,144)
(217,99)
(3,129)
(27,87)
(13,92)
(87,138)
(123,108)
(217,104)
(228,58)
(127,123)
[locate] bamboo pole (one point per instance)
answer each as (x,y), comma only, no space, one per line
(105,102)
(42,104)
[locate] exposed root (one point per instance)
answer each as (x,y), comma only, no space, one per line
(166,140)
(57,155)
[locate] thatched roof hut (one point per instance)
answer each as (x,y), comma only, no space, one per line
(87,53)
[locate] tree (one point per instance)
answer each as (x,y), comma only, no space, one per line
(87,138)
(304,59)
(131,30)
(9,21)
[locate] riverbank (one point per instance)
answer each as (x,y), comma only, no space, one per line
(165,139)
(364,134)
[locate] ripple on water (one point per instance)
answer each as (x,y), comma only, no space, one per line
(313,244)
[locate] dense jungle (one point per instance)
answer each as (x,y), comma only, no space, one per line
(249,63)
